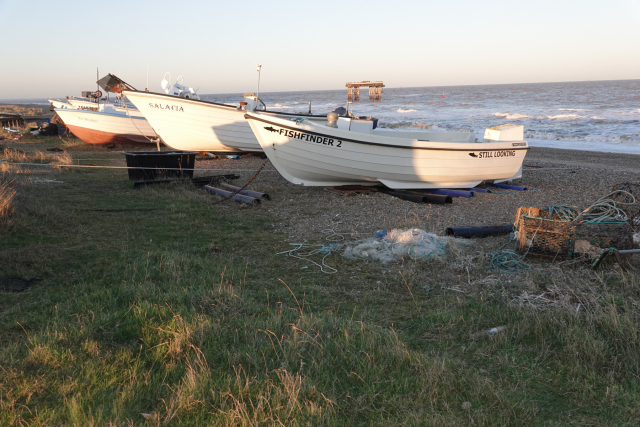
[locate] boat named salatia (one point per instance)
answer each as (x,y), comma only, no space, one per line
(199,125)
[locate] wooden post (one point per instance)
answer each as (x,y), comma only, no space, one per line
(378,93)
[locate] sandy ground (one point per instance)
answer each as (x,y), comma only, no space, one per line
(553,177)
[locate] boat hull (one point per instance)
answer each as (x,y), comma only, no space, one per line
(193,125)
(83,105)
(307,154)
(55,103)
(102,128)
(197,125)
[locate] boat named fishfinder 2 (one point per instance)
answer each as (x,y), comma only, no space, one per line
(351,150)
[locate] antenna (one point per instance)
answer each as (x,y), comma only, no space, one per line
(147,88)
(258,93)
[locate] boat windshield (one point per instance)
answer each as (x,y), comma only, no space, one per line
(111,83)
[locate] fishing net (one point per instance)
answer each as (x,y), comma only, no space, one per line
(400,243)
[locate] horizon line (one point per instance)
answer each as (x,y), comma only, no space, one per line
(397,87)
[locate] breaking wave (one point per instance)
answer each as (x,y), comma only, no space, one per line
(563,116)
(401,110)
(517,116)
(513,116)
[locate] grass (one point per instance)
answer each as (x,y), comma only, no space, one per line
(12,155)
(138,322)
(7,193)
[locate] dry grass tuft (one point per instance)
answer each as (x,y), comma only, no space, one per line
(26,109)
(7,193)
(21,156)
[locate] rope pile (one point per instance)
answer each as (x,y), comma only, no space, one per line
(315,249)
(633,211)
(507,260)
(564,212)
(318,249)
(609,208)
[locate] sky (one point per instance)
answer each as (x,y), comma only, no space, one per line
(55,47)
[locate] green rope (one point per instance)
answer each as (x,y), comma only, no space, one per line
(564,212)
(507,260)
(606,209)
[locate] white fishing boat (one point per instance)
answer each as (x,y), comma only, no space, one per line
(108,123)
(118,105)
(350,150)
(198,125)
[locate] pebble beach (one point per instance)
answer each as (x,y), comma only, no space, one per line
(552,176)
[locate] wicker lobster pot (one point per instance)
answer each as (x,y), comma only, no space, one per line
(543,236)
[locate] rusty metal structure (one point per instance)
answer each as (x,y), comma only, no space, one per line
(375,90)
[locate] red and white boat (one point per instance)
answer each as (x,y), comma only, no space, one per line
(107,126)
(108,123)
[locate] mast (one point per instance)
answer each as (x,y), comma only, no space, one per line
(258,92)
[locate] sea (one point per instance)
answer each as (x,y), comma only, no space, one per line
(591,115)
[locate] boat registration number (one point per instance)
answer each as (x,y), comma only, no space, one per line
(318,139)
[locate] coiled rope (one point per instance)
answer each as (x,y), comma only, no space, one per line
(507,260)
(563,212)
(607,209)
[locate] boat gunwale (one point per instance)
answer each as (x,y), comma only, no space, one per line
(217,104)
(377,144)
(79,110)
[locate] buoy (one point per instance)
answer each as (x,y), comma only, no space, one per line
(443,94)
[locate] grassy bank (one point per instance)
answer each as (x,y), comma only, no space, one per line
(138,322)
(27,109)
